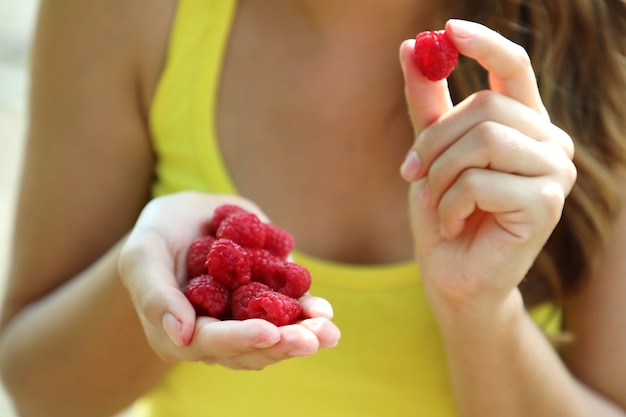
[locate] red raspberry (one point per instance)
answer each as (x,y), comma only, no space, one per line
(277,241)
(260,261)
(220,214)
(272,306)
(242,296)
(228,263)
(207,296)
(235,249)
(196,257)
(287,278)
(244,229)
(435,55)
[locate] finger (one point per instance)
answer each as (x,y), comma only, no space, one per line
(295,341)
(146,270)
(427,100)
(316,307)
(521,206)
(496,147)
(425,223)
(486,106)
(326,332)
(476,109)
(215,340)
(508,64)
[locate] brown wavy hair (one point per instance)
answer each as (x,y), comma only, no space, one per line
(578,50)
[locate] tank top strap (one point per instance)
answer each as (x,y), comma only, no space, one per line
(182,117)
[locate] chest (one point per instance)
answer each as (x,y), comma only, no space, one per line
(315,134)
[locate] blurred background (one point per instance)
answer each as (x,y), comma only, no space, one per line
(16,26)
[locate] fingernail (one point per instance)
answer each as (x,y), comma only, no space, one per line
(410,168)
(172,328)
(462,28)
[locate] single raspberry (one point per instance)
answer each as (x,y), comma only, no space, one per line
(244,229)
(242,296)
(220,214)
(435,55)
(277,241)
(228,263)
(207,296)
(260,261)
(196,257)
(272,306)
(287,278)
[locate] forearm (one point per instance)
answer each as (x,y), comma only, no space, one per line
(80,351)
(502,364)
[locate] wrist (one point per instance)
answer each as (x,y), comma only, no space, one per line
(479,317)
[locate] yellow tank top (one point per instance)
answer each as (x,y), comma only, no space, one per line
(390,360)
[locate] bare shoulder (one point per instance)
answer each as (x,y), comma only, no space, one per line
(89,161)
(123,35)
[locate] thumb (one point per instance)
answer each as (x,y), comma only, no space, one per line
(427,100)
(145,267)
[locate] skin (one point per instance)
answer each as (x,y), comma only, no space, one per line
(104,286)
(504,214)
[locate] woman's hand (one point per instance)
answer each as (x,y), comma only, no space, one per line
(488,177)
(152,265)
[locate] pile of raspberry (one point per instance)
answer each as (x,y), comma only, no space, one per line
(239,269)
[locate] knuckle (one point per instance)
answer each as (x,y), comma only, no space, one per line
(552,200)
(137,249)
(489,141)
(470,181)
(484,103)
(131,251)
(571,174)
(151,304)
(520,56)
(566,142)
(519,61)
(485,134)
(563,165)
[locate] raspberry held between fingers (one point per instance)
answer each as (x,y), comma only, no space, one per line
(434,54)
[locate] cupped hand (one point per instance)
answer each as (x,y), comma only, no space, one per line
(152,266)
(488,176)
